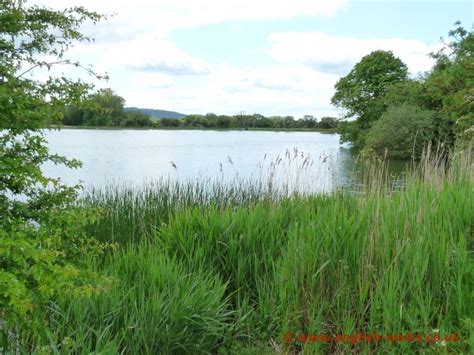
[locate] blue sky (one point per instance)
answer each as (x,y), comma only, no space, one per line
(425,21)
(273,57)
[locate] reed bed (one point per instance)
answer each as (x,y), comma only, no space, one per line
(238,268)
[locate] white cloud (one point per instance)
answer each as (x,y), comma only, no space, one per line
(163,16)
(151,81)
(149,54)
(337,55)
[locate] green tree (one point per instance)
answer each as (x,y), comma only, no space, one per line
(241,120)
(412,92)
(74,116)
(309,121)
(328,122)
(360,91)
(451,82)
(192,121)
(223,121)
(106,108)
(40,238)
(102,108)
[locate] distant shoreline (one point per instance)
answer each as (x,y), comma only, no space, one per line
(320,130)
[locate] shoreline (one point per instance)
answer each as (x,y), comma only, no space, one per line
(319,130)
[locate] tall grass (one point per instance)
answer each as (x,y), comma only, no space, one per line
(155,305)
(205,268)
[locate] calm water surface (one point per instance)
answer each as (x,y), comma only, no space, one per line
(307,160)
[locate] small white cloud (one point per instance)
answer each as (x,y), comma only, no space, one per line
(148,54)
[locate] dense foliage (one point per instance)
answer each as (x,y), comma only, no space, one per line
(41,234)
(450,85)
(405,131)
(245,121)
(104,108)
(359,92)
(379,82)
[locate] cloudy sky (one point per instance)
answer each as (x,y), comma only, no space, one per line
(274,57)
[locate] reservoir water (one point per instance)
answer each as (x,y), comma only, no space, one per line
(305,160)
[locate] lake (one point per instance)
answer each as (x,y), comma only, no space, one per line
(304,160)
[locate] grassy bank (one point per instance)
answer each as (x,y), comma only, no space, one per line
(321,130)
(202,268)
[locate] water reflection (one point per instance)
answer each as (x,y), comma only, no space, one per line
(354,173)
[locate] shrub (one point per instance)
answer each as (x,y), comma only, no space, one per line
(403,132)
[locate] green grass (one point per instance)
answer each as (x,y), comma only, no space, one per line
(156,304)
(208,268)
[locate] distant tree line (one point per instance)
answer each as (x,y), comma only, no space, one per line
(105,108)
(397,116)
(245,121)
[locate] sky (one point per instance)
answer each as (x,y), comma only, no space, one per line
(273,57)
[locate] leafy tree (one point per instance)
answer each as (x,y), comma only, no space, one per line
(309,121)
(102,108)
(412,92)
(328,122)
(223,122)
(451,82)
(105,108)
(368,81)
(40,238)
(288,121)
(360,91)
(262,121)
(241,120)
(193,120)
(74,116)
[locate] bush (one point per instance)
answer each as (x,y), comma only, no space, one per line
(404,131)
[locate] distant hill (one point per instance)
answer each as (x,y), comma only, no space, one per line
(156,113)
